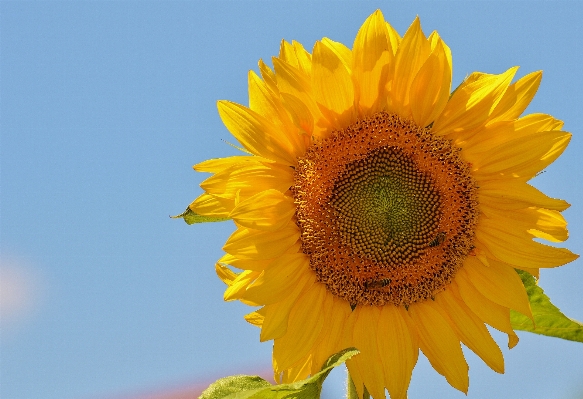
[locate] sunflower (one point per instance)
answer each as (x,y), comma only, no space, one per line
(376,209)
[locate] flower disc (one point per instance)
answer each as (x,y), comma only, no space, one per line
(386,210)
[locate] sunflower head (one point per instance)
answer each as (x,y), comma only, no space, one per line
(376,209)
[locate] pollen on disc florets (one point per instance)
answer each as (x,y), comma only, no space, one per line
(386,210)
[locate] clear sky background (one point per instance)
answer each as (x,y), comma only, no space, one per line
(105,106)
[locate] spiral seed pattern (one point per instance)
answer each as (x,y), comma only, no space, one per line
(386,210)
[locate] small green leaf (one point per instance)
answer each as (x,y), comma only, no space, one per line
(191,217)
(224,387)
(254,387)
(547,317)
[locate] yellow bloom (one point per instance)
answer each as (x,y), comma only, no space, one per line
(375,209)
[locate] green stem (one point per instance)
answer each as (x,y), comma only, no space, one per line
(351,392)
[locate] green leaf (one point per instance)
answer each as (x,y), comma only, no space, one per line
(224,387)
(191,217)
(548,318)
(254,387)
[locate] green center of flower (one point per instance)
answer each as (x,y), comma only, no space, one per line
(388,210)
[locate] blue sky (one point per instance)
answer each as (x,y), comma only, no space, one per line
(105,106)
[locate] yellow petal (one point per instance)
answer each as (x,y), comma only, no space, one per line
(304,325)
(268,210)
(280,278)
(294,54)
(430,87)
(299,113)
(521,157)
(336,312)
(365,340)
(211,205)
(246,264)
(287,53)
(261,99)
(255,318)
(332,86)
(517,97)
(267,103)
(538,123)
(393,37)
(518,251)
(216,165)
(298,371)
(247,243)
(356,370)
(342,52)
(550,225)
(256,134)
(440,344)
(268,75)
(493,134)
(472,103)
(499,283)
(538,222)
(434,41)
(517,194)
(238,286)
(226,275)
(304,58)
(372,56)
(493,314)
(470,329)
(291,80)
(411,55)
(320,351)
(399,349)
(276,315)
(249,179)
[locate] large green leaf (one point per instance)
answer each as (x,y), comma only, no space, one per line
(254,387)
(548,319)
(191,217)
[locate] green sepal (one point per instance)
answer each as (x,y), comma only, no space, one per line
(254,387)
(548,318)
(191,217)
